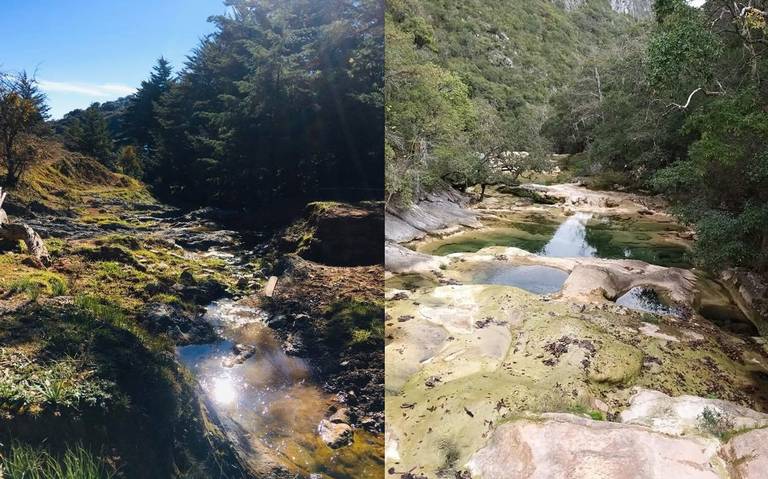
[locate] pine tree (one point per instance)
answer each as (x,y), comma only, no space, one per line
(88,134)
(141,118)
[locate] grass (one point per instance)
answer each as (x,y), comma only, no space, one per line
(25,462)
(37,283)
(34,385)
(354,324)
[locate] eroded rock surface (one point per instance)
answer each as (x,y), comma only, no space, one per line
(569,447)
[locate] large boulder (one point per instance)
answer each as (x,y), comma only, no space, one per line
(435,212)
(569,447)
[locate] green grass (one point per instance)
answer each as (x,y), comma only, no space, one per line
(354,323)
(40,283)
(25,462)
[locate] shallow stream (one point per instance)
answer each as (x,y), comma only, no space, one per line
(269,401)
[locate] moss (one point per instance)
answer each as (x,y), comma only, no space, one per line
(36,283)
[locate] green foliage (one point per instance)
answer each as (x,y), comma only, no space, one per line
(714,422)
(23,111)
(283,100)
(65,382)
(681,108)
(26,462)
(465,85)
(89,135)
(36,284)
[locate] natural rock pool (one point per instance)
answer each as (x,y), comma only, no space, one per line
(579,235)
(266,400)
(534,279)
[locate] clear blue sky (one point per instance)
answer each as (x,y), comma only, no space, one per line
(98,50)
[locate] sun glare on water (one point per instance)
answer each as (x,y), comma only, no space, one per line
(224,390)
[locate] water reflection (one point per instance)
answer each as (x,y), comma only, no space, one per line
(570,239)
(535,279)
(269,401)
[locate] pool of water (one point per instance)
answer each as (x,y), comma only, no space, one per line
(269,402)
(579,235)
(535,279)
(648,301)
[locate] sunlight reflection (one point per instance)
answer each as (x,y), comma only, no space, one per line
(224,390)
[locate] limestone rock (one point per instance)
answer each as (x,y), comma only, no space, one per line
(569,447)
(748,454)
(680,415)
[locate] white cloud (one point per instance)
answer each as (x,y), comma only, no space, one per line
(105,90)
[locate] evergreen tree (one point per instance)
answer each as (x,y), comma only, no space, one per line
(141,122)
(89,135)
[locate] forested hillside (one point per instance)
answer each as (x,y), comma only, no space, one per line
(682,108)
(467,80)
(284,100)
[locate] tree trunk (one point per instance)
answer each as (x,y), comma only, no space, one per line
(23,232)
(482,191)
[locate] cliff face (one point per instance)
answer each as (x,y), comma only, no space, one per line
(633,8)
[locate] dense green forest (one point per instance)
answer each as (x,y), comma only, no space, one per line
(284,100)
(682,109)
(674,104)
(466,81)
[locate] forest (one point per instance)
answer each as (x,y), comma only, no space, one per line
(673,104)
(283,101)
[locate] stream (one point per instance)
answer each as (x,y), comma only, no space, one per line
(270,400)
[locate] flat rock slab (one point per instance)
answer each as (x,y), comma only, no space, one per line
(680,415)
(748,454)
(568,447)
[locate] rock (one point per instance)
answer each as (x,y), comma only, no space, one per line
(680,415)
(615,363)
(340,416)
(399,259)
(435,212)
(202,292)
(187,278)
(569,447)
(335,435)
(748,454)
(241,353)
(180,326)
(342,234)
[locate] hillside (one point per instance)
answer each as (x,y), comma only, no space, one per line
(469,77)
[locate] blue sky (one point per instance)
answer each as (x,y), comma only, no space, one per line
(97,50)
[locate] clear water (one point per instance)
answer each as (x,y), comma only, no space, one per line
(535,279)
(579,235)
(269,402)
(648,301)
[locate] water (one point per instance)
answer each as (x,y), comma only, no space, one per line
(535,279)
(570,239)
(648,301)
(580,235)
(269,402)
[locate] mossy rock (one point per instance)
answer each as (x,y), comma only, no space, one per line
(616,363)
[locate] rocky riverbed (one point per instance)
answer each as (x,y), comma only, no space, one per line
(269,395)
(538,318)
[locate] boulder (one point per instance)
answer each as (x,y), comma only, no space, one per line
(569,447)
